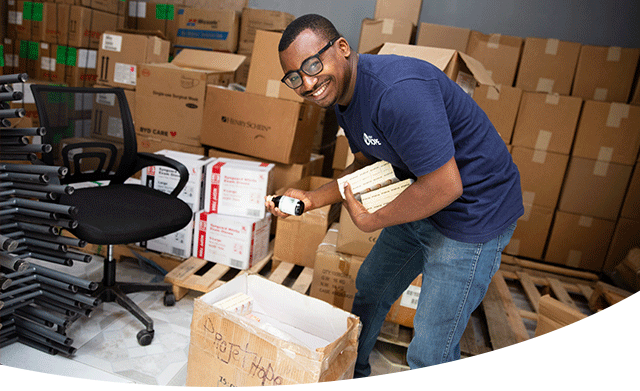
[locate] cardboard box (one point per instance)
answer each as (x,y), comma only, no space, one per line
(179,243)
(153,16)
(235,5)
(56,24)
(500,55)
(609,132)
(152,144)
(265,71)
(86,25)
(541,175)
(501,105)
(531,233)
(466,71)
(334,273)
(631,205)
(179,88)
(297,237)
(594,188)
(120,54)
(403,310)
(406,10)
(342,155)
(112,6)
(238,187)
(254,19)
(19,20)
(244,123)
(547,122)
(298,339)
(548,65)
(554,314)
(351,240)
(234,241)
(79,65)
(605,73)
(441,36)
(625,237)
(208,29)
(375,32)
(579,241)
(283,174)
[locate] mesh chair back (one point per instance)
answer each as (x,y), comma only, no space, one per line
(90,130)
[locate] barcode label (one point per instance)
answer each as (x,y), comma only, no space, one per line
(178,251)
(410,297)
(235,263)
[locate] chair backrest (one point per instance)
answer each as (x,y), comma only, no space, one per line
(90,130)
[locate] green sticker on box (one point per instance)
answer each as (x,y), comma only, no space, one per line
(67,56)
(37,11)
(1,55)
(165,11)
(29,50)
(27,10)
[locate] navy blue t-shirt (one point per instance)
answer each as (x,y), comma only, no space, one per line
(409,113)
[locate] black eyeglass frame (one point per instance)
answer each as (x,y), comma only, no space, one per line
(317,56)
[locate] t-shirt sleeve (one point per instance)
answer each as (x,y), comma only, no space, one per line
(413,117)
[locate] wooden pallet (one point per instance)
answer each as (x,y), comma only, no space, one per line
(195,274)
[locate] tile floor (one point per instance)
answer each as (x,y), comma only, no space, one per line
(106,343)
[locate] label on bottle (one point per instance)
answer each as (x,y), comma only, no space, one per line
(288,205)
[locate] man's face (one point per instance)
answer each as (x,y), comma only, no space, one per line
(327,87)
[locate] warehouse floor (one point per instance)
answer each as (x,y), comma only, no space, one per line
(106,343)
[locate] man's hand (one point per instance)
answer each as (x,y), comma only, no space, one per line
(359,214)
(293,193)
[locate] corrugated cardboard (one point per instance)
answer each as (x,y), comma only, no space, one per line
(56,24)
(579,241)
(297,237)
(547,122)
(86,25)
(111,6)
(342,156)
(594,188)
(440,36)
(334,274)
(631,205)
(531,233)
(244,123)
(257,19)
(501,105)
(625,237)
(208,29)
(120,54)
(609,132)
(541,175)
(351,240)
(605,73)
(179,88)
(152,144)
(548,65)
(265,71)
(305,340)
(235,5)
(235,241)
(152,16)
(403,310)
(461,68)
(375,32)
(405,10)
(554,314)
(500,55)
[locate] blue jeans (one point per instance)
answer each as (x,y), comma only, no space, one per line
(455,278)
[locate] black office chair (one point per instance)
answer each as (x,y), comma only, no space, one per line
(92,133)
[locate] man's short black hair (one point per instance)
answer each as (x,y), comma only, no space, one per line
(317,23)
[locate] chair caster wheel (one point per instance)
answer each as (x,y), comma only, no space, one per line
(145,337)
(169,299)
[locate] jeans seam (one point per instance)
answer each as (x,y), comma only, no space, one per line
(463,301)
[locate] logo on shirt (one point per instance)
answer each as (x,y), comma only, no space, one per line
(370,140)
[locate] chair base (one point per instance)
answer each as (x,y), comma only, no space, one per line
(111,291)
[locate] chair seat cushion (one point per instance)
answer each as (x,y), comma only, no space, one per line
(127,213)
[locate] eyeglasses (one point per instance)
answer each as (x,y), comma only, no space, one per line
(311,66)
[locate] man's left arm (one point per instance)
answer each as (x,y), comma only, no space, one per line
(429,194)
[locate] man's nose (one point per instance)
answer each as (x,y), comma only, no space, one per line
(308,82)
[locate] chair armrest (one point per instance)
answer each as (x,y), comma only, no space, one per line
(151,159)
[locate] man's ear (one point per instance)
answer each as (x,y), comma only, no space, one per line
(344,47)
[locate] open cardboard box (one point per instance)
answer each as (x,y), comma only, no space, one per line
(298,339)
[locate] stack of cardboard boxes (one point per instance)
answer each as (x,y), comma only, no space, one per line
(392,22)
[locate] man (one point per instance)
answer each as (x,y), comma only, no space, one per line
(451,224)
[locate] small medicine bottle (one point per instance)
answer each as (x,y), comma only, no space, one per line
(289,205)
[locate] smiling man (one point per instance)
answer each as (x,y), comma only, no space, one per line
(451,224)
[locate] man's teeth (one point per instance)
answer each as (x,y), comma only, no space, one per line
(320,91)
